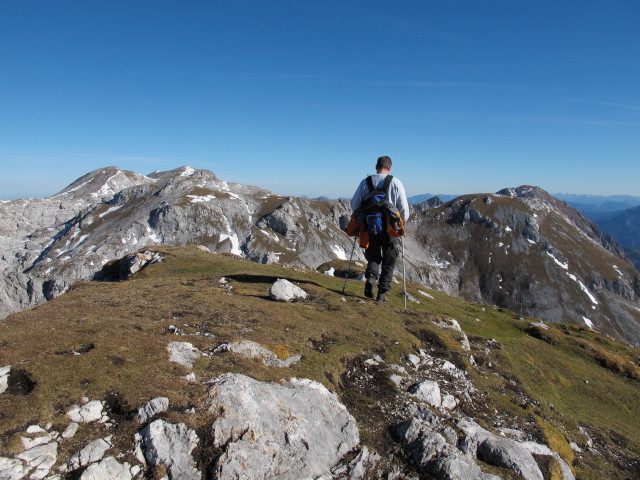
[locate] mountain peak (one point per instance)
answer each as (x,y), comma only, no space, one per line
(525,191)
(103,183)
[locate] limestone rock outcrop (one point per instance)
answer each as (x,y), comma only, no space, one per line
(293,430)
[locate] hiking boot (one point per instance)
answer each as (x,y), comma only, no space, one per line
(368,288)
(382,298)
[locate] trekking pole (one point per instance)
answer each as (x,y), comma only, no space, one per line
(404,277)
(349,267)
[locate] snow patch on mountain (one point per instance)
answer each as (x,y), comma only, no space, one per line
(110,210)
(233,239)
(201,198)
(187,171)
(584,289)
(564,265)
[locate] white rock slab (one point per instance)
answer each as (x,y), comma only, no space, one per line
(92,453)
(183,353)
(33,429)
(29,443)
(40,458)
(164,443)
(71,430)
(12,469)
(89,412)
(249,349)
(110,469)
(152,408)
(293,430)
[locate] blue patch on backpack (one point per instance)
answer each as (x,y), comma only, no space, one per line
(375,224)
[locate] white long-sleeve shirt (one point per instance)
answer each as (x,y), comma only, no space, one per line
(396,194)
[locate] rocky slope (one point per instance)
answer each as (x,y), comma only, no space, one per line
(519,249)
(524,250)
(47,244)
(190,369)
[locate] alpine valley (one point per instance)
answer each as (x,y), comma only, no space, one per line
(177,326)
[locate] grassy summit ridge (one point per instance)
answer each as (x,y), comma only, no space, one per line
(109,341)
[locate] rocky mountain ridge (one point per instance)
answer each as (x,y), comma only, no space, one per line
(525,250)
(189,369)
(520,248)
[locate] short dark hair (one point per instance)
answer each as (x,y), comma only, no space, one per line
(383,162)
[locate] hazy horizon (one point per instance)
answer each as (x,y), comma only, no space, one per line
(349,195)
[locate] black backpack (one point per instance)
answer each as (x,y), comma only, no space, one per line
(376,206)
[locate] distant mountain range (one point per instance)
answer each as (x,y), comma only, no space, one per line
(624,226)
(602,203)
(428,196)
(617,215)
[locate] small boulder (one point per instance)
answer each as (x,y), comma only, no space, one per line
(71,430)
(92,453)
(507,453)
(413,360)
(499,451)
(183,353)
(163,443)
(152,408)
(427,391)
(90,412)
(249,349)
(135,262)
(449,402)
(285,291)
(110,469)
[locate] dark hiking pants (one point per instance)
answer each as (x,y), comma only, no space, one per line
(383,252)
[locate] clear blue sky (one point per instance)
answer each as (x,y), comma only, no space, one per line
(302,96)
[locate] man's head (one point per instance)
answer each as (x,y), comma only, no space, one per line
(383,165)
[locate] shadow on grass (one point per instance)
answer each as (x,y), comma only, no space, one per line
(268,279)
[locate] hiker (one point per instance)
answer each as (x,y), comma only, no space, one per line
(379,233)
